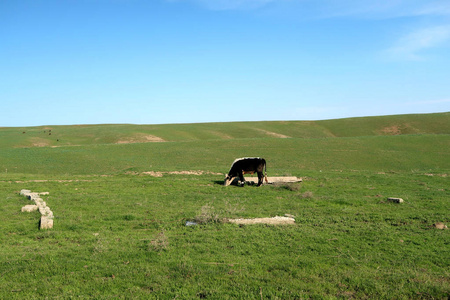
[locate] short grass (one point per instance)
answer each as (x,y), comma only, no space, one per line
(125,236)
(284,156)
(119,233)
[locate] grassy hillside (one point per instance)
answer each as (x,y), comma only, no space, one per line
(373,143)
(110,134)
(389,125)
(284,156)
(120,211)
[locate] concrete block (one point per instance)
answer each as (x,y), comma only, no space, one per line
(29,208)
(23,192)
(32,196)
(272,180)
(46,223)
(395,200)
(272,221)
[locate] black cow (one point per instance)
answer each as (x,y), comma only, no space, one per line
(247,165)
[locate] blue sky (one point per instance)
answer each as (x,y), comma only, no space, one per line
(68,62)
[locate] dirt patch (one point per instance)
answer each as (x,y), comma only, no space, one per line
(140,138)
(440,175)
(274,134)
(272,221)
(53,180)
(392,130)
(153,174)
(186,172)
(160,174)
(404,128)
(39,142)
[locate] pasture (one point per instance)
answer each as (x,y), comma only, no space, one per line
(122,194)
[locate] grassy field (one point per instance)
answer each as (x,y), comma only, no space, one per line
(120,232)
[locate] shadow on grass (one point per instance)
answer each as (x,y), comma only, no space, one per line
(234,183)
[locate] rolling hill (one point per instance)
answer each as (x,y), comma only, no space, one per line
(389,143)
(72,135)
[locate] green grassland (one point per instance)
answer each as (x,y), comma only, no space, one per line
(87,135)
(120,232)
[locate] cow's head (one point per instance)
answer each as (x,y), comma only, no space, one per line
(228,180)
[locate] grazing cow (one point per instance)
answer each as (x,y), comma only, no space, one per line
(247,165)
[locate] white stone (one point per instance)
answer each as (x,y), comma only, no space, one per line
(440,225)
(23,192)
(272,180)
(32,196)
(46,214)
(46,223)
(273,221)
(39,201)
(29,208)
(395,200)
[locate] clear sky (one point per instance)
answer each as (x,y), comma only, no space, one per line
(187,61)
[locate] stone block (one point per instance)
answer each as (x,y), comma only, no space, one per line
(440,225)
(23,192)
(29,208)
(395,200)
(46,223)
(32,196)
(272,221)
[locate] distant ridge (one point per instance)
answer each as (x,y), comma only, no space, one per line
(73,135)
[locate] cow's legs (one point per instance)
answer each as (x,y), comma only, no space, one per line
(260,178)
(241,178)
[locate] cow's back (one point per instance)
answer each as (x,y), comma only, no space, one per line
(248,163)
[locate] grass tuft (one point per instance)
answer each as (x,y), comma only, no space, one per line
(207,215)
(293,187)
(159,243)
(307,195)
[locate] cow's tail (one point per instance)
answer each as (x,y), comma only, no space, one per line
(265,172)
